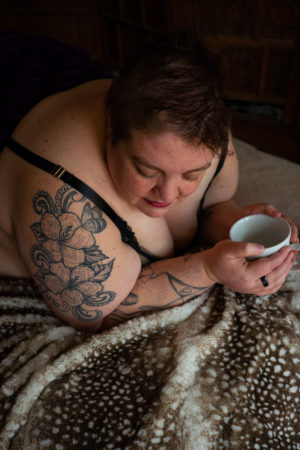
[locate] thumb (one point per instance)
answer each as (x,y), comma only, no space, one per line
(244,249)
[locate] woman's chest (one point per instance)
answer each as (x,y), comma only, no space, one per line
(161,236)
(166,235)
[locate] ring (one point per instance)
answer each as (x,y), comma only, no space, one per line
(264,281)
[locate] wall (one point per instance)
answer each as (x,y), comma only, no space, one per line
(258,40)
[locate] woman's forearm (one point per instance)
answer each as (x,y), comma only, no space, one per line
(163,284)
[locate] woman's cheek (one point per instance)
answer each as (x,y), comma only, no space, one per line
(189,189)
(137,187)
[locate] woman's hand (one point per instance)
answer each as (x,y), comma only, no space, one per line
(270,210)
(226,264)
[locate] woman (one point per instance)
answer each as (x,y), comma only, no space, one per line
(104,186)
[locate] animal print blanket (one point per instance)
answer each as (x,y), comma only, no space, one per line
(220,372)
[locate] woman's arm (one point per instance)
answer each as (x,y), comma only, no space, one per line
(87,274)
(172,282)
(220,211)
(83,268)
(163,284)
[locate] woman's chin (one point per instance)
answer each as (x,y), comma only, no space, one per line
(152,212)
(156,214)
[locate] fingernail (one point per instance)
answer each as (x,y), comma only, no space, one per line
(259,247)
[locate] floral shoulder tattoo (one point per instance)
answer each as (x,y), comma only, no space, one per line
(68,262)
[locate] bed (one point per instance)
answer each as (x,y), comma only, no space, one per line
(220,372)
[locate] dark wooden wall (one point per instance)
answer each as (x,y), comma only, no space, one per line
(258,40)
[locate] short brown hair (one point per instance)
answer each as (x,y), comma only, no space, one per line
(174,86)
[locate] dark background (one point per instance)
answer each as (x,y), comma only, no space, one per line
(258,42)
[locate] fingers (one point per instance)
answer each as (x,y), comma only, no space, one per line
(294,230)
(243,249)
(264,266)
(260,208)
(270,210)
(277,276)
(271,289)
(227,263)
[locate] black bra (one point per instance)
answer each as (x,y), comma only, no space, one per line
(59,172)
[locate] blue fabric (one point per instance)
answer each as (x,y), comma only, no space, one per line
(34,67)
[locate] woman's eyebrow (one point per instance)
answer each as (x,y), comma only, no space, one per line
(144,162)
(206,166)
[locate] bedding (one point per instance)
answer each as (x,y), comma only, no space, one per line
(220,372)
(268,178)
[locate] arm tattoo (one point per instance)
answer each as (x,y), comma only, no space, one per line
(132,299)
(69,263)
(182,292)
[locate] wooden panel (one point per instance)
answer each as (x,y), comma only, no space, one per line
(155,13)
(258,40)
(59,7)
(110,7)
(126,26)
(70,21)
(203,12)
(279,70)
(236,18)
(235,79)
(278,18)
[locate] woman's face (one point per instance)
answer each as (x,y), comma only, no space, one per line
(153,173)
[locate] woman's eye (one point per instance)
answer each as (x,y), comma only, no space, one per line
(145,172)
(192,177)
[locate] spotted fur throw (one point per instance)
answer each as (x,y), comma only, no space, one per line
(221,372)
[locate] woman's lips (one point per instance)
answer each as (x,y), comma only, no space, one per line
(157,204)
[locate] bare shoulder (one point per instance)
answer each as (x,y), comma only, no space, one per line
(64,129)
(60,122)
(68,129)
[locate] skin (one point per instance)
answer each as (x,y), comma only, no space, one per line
(87,275)
(155,173)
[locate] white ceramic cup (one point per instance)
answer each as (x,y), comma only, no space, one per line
(272,232)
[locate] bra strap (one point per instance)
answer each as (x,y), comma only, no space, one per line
(218,170)
(59,172)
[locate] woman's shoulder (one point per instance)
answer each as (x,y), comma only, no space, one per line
(68,126)
(65,130)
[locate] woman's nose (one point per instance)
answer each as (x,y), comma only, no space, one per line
(168,190)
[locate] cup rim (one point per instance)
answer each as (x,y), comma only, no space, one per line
(254,216)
